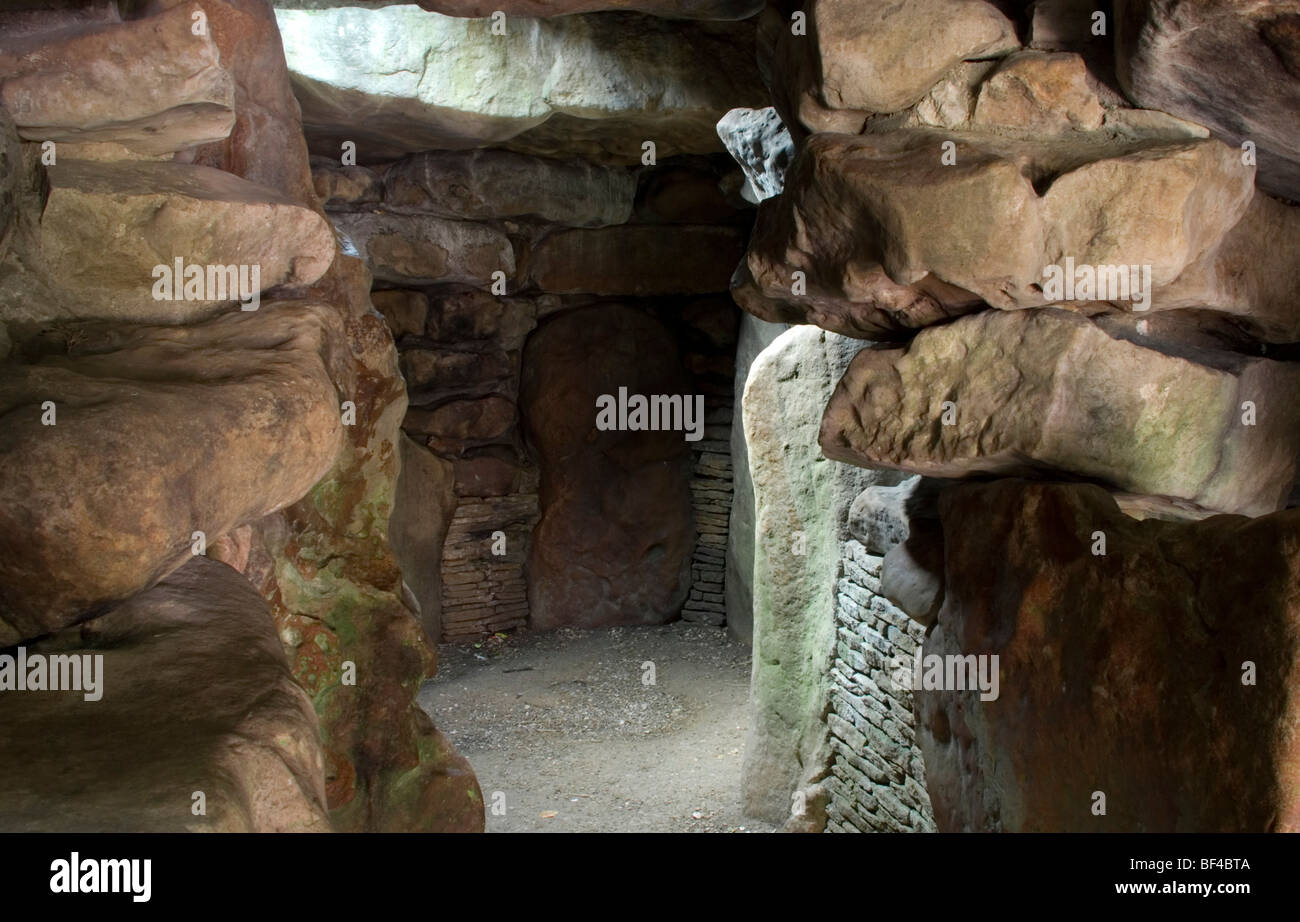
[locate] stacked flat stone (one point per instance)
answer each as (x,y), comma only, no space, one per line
(711,489)
(481,592)
(877,781)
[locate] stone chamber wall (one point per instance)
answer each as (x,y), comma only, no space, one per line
(917,245)
(209,508)
(711,502)
(461,348)
(453,271)
(830,723)
(382,400)
(877,781)
(489,267)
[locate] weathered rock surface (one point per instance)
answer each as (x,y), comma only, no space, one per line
(423,505)
(345,187)
(487,184)
(1124,673)
(882,516)
(801,504)
(669,9)
(233,548)
(636,260)
(150,85)
(252,421)
(434,373)
(1036,92)
(336,592)
(1008,393)
(476,316)
(13,172)
(761,144)
(687,190)
(1038,95)
(423,249)
(1249,275)
(473,420)
(1069,25)
(266,145)
(888,238)
(614,79)
(324,562)
(387,767)
(791,70)
(911,573)
(900,524)
(615,538)
(195,695)
(493,471)
(404,310)
(108,227)
(754,336)
(870,305)
(882,56)
(1233,66)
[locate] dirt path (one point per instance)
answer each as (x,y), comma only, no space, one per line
(563,725)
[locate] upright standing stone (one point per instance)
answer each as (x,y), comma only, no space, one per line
(615,539)
(1160,675)
(755,336)
(801,505)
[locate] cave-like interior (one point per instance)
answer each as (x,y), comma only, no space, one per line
(838,416)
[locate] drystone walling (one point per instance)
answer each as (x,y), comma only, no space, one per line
(943,351)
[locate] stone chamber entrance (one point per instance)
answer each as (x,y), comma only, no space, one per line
(663,415)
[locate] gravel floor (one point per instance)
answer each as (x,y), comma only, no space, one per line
(564,729)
